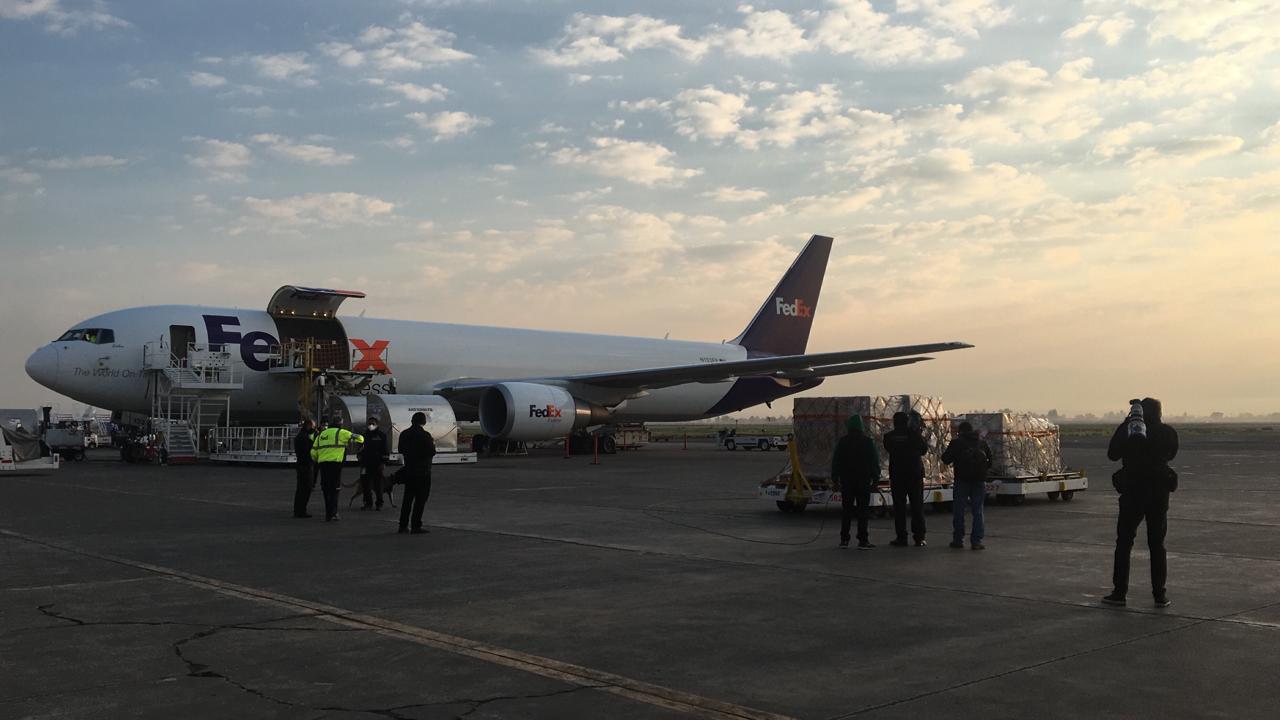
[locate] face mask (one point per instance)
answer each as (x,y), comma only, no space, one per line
(373,427)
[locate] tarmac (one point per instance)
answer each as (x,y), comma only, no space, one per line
(653,585)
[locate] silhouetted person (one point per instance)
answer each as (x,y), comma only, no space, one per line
(417,447)
(906,447)
(306,472)
(329,450)
(855,465)
(972,458)
(1145,481)
(372,456)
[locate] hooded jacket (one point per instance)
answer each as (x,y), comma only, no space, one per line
(855,459)
(960,447)
(1146,461)
(906,448)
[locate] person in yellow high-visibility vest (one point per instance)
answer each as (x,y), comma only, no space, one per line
(328,451)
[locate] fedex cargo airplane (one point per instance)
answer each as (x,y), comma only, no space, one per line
(520,384)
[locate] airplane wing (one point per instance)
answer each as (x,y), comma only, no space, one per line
(626,383)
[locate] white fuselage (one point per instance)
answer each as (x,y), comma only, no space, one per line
(419,355)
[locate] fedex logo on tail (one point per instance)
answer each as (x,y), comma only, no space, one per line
(550,411)
(797,308)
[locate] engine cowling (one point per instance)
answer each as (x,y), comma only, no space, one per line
(530,411)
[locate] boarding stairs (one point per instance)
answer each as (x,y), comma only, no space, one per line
(190,392)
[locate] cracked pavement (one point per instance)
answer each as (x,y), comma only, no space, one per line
(555,589)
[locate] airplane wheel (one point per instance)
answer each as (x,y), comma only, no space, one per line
(608,445)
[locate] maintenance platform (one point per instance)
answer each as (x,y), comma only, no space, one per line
(653,585)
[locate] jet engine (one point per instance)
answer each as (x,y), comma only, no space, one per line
(529,411)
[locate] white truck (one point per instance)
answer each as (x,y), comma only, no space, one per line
(731,440)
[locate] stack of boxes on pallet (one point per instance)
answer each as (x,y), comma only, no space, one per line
(1022,445)
(820,422)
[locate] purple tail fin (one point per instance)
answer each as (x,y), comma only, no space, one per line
(781,326)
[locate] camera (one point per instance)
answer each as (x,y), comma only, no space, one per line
(1136,422)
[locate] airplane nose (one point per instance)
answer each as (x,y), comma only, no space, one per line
(42,366)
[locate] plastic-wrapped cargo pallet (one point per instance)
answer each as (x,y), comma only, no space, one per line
(1022,445)
(819,423)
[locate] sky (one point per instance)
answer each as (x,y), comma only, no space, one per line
(1089,192)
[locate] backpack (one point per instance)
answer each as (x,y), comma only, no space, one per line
(971,461)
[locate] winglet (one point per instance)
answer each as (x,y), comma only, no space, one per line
(781,326)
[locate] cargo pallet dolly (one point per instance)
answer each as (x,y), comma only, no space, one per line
(797,492)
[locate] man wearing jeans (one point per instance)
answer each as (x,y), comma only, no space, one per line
(972,458)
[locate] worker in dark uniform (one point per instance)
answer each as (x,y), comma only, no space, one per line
(972,458)
(329,450)
(855,466)
(306,472)
(1145,484)
(372,456)
(906,447)
(417,447)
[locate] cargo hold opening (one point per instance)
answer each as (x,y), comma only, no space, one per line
(306,314)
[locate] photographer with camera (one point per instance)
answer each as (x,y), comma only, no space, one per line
(1144,445)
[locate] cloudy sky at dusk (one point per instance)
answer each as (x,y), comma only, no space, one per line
(1087,191)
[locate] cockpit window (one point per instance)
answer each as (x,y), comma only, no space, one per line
(93,336)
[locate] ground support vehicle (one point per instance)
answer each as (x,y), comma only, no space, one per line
(14,460)
(753,442)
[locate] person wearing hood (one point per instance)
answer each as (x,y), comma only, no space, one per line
(906,447)
(1146,481)
(971,457)
(855,465)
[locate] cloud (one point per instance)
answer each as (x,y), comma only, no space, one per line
(410,91)
(83,162)
(413,46)
(963,17)
(730,194)
(60,20)
(854,27)
(764,34)
(304,153)
(820,113)
(18,176)
(143,83)
(316,210)
(1116,141)
(1016,102)
(222,159)
(709,113)
(1211,24)
(448,125)
(1111,29)
(285,67)
(643,163)
(592,39)
(1187,151)
(205,80)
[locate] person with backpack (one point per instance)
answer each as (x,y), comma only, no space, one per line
(906,447)
(855,467)
(971,457)
(1144,445)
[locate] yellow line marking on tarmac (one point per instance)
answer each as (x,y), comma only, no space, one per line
(639,691)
